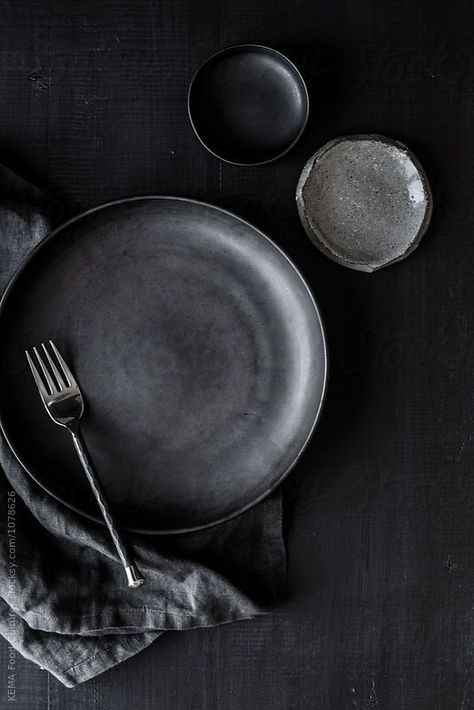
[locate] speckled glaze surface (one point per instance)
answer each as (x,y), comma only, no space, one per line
(364,201)
(199,350)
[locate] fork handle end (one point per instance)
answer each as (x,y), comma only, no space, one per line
(134,577)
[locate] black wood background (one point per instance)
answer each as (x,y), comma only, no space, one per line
(380,609)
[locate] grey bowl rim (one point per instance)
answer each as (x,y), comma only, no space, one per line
(315,235)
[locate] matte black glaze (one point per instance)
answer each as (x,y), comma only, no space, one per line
(197,346)
(248,104)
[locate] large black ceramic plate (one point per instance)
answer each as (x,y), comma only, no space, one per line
(199,350)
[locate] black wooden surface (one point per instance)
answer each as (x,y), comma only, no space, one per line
(380,610)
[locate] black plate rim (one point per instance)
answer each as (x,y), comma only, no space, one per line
(145,198)
(270,50)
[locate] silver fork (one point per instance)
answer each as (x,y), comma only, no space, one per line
(64,403)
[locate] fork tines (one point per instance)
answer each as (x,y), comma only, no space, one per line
(55,379)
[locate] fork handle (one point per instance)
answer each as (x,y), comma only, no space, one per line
(134,577)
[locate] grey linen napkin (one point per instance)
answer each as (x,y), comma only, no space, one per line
(63,603)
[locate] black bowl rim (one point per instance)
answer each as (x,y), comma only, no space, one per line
(263,48)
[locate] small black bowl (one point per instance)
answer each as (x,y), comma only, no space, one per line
(248,104)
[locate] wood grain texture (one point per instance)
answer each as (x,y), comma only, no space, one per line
(380,510)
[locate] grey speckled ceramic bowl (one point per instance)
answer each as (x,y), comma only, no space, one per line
(364,201)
